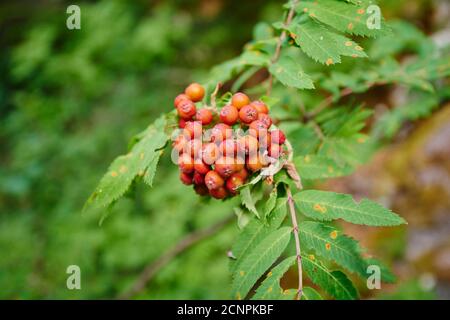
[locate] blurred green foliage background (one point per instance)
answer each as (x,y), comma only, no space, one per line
(69,102)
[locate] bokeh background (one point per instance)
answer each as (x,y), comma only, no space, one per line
(69,102)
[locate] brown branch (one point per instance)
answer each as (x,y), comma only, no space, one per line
(184,244)
(282,37)
(297,242)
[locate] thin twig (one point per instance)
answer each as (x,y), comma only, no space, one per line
(214,95)
(297,242)
(282,37)
(186,243)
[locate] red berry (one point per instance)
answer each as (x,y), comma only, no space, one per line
(195,92)
(234,182)
(180,143)
(260,106)
(186,163)
(201,190)
(179,99)
(201,167)
(219,193)
(186,178)
(240,100)
(220,132)
(229,115)
(228,147)
(277,136)
(225,166)
(242,173)
(210,153)
(213,180)
(256,163)
(186,109)
(193,130)
(258,129)
(194,148)
(248,114)
(265,118)
(205,116)
(239,164)
(198,178)
(275,150)
(264,142)
(182,123)
(249,144)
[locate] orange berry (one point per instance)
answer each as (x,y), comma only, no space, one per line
(242,173)
(186,163)
(194,148)
(195,92)
(234,182)
(240,100)
(179,98)
(186,109)
(180,143)
(193,130)
(205,116)
(219,193)
(228,147)
(229,115)
(256,163)
(225,166)
(260,106)
(220,132)
(248,114)
(210,153)
(249,144)
(213,180)
(266,119)
(258,129)
(239,164)
(201,167)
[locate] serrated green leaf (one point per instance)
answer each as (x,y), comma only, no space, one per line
(270,288)
(271,202)
(310,294)
(316,41)
(149,174)
(290,73)
(349,48)
(335,283)
(126,168)
(343,121)
(353,150)
(330,244)
(255,231)
(248,201)
(327,206)
(386,274)
(345,17)
(320,167)
(404,36)
(391,121)
(258,261)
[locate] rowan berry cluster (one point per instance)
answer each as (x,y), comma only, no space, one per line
(218,150)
